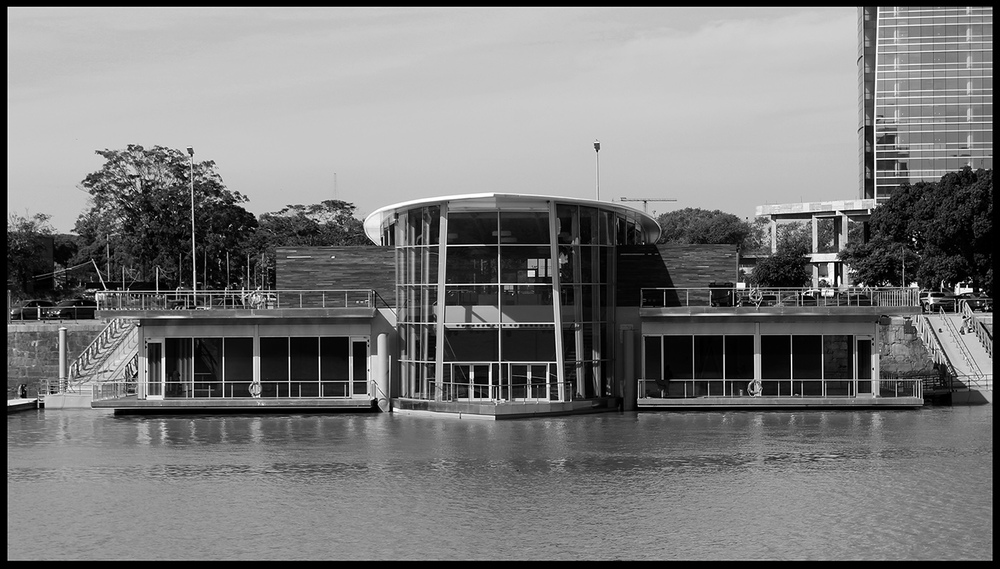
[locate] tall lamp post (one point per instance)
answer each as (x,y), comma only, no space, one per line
(597,151)
(194,269)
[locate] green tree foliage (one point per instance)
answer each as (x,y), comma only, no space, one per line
(26,238)
(786,268)
(140,213)
(881,262)
(944,228)
(330,222)
(701,226)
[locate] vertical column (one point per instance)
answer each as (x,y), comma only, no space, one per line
(62,358)
(630,395)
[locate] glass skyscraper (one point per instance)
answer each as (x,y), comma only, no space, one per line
(925,94)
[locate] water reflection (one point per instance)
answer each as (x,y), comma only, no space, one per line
(705,485)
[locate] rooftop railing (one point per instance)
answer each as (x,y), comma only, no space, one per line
(731,296)
(234,299)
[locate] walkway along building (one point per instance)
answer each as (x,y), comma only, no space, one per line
(501,306)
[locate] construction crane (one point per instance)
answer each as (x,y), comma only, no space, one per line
(645,201)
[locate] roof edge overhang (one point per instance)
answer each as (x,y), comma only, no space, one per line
(373,222)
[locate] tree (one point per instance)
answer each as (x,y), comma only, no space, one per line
(330,222)
(140,213)
(880,262)
(28,237)
(701,226)
(786,268)
(947,224)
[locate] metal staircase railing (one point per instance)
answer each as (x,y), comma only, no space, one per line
(975,324)
(939,356)
(108,357)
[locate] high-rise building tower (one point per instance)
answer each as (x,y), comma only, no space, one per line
(925,79)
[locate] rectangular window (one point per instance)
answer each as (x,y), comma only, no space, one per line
(304,358)
(527,344)
(677,356)
(334,366)
(708,357)
(739,357)
(838,356)
(238,353)
(807,357)
(651,353)
(273,367)
(775,357)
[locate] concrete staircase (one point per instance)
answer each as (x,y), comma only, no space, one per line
(111,356)
(967,353)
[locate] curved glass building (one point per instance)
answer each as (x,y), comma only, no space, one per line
(506,298)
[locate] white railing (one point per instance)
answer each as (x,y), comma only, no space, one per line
(105,357)
(730,296)
(960,344)
(234,299)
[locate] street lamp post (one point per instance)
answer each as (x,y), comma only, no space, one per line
(597,151)
(194,266)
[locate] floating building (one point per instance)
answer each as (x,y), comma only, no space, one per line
(501,306)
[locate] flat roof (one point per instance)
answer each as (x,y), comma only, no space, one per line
(808,209)
(373,223)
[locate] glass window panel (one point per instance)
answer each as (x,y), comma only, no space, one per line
(775,357)
(471,345)
(470,265)
(525,264)
(207,361)
(334,358)
(838,356)
(739,357)
(708,357)
(807,357)
(677,356)
(304,358)
(472,228)
(652,346)
(529,344)
(238,353)
(524,227)
(360,357)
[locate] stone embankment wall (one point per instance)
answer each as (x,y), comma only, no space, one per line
(901,351)
(33,350)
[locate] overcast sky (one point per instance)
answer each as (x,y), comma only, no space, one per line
(716,108)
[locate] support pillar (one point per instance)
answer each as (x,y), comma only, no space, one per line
(630,397)
(63,363)
(382,394)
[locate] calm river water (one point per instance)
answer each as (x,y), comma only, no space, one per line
(825,485)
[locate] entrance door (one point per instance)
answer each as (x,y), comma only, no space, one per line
(359,367)
(154,369)
(865,365)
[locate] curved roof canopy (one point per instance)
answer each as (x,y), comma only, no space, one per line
(511,202)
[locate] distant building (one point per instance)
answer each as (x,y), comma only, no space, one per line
(925,102)
(925,94)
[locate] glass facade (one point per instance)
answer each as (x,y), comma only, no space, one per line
(925,94)
(508,297)
(195,367)
(790,365)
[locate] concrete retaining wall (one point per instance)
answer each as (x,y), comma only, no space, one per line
(33,350)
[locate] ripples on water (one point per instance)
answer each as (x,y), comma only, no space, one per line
(705,485)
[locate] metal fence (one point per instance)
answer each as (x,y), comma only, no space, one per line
(732,296)
(234,299)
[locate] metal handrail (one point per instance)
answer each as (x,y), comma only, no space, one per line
(234,299)
(966,355)
(731,296)
(982,331)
